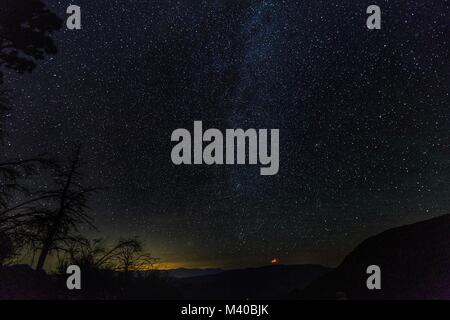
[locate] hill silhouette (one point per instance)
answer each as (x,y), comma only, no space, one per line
(270,282)
(189,273)
(414,261)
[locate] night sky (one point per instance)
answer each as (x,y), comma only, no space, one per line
(363,116)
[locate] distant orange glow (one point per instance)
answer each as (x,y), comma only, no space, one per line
(186,264)
(171,265)
(205,264)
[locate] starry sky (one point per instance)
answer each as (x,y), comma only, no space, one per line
(363,118)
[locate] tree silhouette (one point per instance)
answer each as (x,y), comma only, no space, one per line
(19,205)
(131,256)
(25,29)
(107,270)
(65,211)
(4,109)
(126,255)
(6,248)
(25,36)
(17,201)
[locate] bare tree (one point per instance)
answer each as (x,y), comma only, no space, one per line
(86,254)
(68,210)
(25,37)
(131,256)
(6,248)
(4,109)
(19,201)
(126,255)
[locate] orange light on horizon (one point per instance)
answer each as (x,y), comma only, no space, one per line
(275,261)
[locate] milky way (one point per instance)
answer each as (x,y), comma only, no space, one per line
(363,118)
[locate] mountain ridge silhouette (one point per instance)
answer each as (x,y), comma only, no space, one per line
(414,260)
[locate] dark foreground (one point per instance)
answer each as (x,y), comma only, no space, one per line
(414,262)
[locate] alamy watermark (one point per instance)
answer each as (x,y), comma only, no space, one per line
(236,146)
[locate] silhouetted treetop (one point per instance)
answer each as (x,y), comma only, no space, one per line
(4,109)
(25,28)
